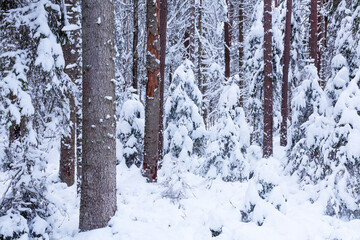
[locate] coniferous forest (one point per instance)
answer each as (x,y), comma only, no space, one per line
(180,119)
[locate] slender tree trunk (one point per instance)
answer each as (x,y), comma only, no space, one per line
(313,31)
(163,27)
(192,32)
(268,89)
(152,106)
(73,70)
(205,106)
(98,186)
(285,88)
(189,42)
(135,45)
(227,37)
(241,51)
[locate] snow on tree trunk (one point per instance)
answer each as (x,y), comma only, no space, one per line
(72,69)
(153,92)
(98,187)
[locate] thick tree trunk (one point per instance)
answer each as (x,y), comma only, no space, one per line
(98,187)
(152,106)
(71,55)
(284,100)
(163,27)
(241,51)
(313,31)
(268,89)
(227,37)
(135,45)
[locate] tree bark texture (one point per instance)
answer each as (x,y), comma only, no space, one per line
(268,89)
(227,37)
(205,104)
(135,45)
(285,83)
(98,187)
(152,106)
(163,27)
(313,31)
(241,51)
(71,51)
(190,34)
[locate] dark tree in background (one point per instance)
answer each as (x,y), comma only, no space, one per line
(313,31)
(153,89)
(71,50)
(227,36)
(268,89)
(98,187)
(241,49)
(163,26)
(284,100)
(135,45)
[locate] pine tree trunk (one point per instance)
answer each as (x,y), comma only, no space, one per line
(241,51)
(313,31)
(268,89)
(227,42)
(189,42)
(98,187)
(135,45)
(205,106)
(73,70)
(152,106)
(284,100)
(163,27)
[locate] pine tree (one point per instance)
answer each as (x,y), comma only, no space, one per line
(185,134)
(229,138)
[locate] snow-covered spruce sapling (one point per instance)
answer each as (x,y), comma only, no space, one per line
(229,138)
(309,129)
(32,91)
(254,74)
(342,155)
(185,134)
(131,131)
(265,195)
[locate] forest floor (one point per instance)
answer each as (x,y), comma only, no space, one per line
(144,214)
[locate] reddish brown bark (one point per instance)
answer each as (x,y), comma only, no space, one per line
(241,50)
(313,31)
(152,107)
(189,42)
(227,37)
(268,89)
(284,100)
(135,45)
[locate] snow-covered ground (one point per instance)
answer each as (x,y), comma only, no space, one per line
(144,214)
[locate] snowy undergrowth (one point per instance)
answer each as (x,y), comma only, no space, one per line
(213,208)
